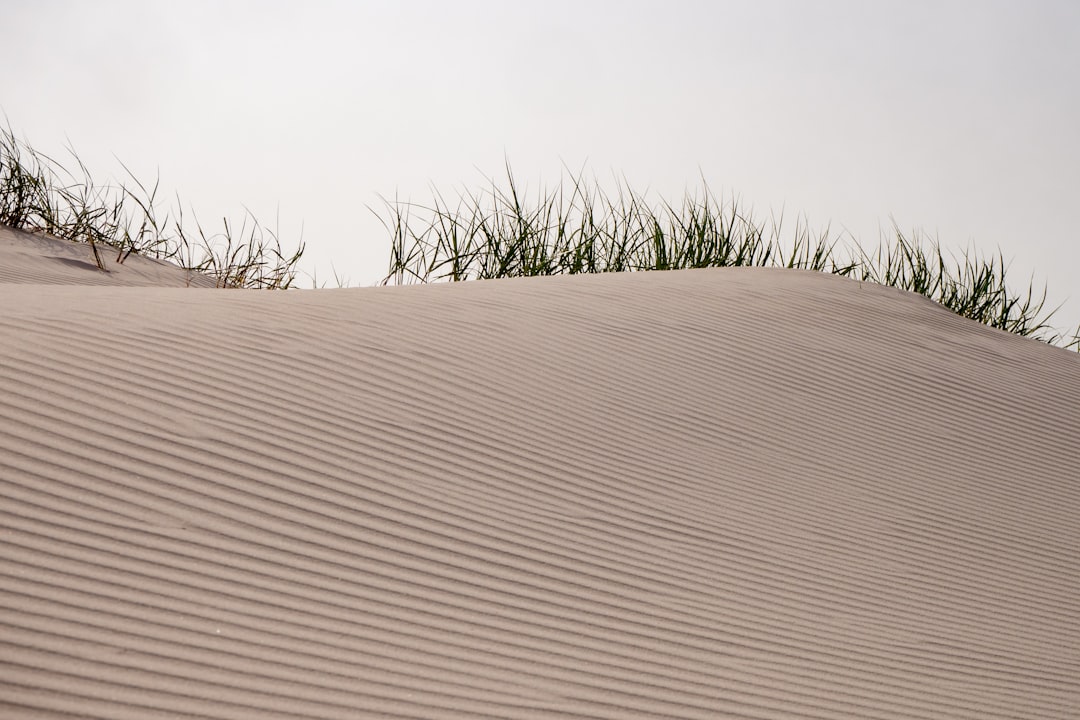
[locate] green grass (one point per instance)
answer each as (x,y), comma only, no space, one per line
(501,232)
(40,194)
(578,228)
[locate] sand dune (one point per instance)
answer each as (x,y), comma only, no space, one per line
(38,259)
(728,493)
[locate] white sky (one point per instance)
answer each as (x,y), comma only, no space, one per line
(961,119)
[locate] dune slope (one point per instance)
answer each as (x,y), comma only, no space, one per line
(728,493)
(32,258)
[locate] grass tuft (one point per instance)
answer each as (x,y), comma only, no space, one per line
(578,228)
(39,194)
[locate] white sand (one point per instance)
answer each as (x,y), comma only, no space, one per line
(733,493)
(38,259)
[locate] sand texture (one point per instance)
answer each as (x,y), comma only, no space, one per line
(38,259)
(727,493)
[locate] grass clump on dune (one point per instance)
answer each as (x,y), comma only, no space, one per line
(501,233)
(37,193)
(581,229)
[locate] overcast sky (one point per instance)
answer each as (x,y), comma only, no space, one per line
(961,119)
